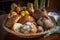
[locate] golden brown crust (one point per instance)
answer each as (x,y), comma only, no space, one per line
(46,23)
(26,18)
(11,14)
(13,6)
(12,20)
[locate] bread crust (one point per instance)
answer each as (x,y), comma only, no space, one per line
(26,18)
(11,14)
(12,20)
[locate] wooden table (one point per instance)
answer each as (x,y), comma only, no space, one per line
(9,36)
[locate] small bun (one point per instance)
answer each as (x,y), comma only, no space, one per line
(13,6)
(40,29)
(16,27)
(45,23)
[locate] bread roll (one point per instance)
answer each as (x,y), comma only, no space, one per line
(26,18)
(39,13)
(13,6)
(46,23)
(40,29)
(30,7)
(12,20)
(11,14)
(17,26)
(29,27)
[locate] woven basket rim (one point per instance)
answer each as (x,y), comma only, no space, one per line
(21,34)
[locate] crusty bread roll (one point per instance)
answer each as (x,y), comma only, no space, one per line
(46,23)
(40,29)
(39,13)
(11,14)
(17,26)
(30,7)
(26,18)
(29,28)
(12,20)
(13,6)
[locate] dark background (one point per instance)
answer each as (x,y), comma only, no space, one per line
(5,4)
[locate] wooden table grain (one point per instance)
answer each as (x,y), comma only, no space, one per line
(10,36)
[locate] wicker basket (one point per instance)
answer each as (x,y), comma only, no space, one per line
(24,35)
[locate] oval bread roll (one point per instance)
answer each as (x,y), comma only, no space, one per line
(26,18)
(12,20)
(45,23)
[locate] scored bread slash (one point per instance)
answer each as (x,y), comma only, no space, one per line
(12,20)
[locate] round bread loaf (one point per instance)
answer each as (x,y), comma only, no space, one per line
(29,27)
(26,18)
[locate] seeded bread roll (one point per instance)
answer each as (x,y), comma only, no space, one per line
(12,20)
